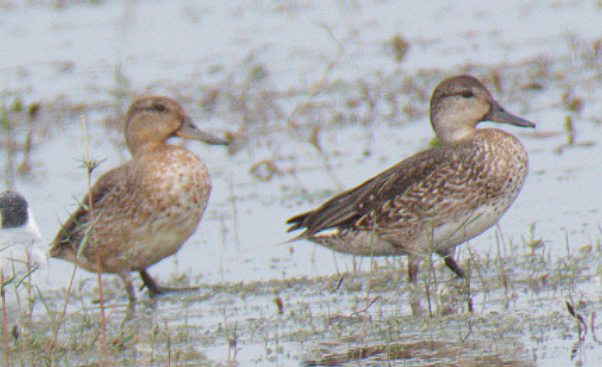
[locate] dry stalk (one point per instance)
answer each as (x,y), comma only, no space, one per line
(234,213)
(89,167)
(4,325)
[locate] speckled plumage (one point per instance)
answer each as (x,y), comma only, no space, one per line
(145,209)
(436,199)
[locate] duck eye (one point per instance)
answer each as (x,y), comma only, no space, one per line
(159,106)
(467,94)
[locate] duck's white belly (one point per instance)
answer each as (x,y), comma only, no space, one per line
(463,228)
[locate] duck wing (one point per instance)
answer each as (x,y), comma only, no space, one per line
(349,207)
(73,231)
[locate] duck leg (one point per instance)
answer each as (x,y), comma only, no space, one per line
(451,264)
(413,266)
(150,284)
(155,290)
(129,288)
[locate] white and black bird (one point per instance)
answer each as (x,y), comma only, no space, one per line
(23,260)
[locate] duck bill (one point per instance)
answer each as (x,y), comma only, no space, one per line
(189,131)
(498,114)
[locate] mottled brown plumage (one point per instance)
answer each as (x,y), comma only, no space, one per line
(436,199)
(145,209)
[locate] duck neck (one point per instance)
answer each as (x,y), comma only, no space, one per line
(137,149)
(449,130)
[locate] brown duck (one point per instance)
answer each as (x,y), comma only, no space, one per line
(144,210)
(434,200)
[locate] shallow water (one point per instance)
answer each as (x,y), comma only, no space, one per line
(91,60)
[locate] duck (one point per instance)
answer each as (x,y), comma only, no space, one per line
(23,260)
(145,209)
(436,199)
